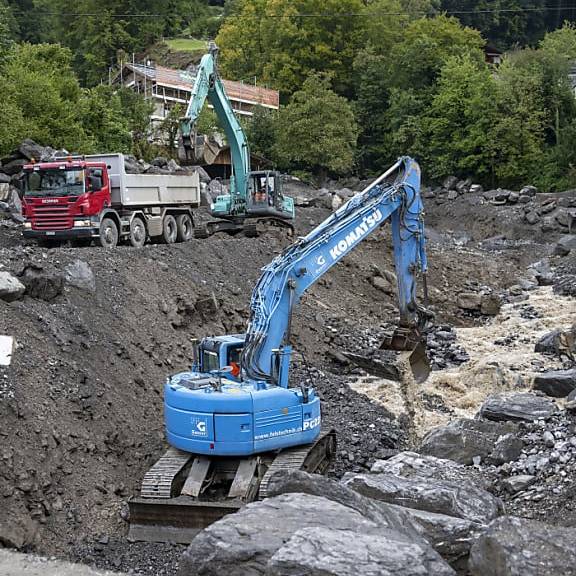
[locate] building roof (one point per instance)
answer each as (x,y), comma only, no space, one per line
(183,80)
(493,51)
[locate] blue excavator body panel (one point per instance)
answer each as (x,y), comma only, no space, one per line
(216,416)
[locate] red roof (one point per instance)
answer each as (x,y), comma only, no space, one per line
(183,80)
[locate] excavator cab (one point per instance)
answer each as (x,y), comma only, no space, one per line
(265,196)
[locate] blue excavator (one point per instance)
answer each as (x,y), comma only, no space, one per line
(236,418)
(254,196)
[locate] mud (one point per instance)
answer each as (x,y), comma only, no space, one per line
(81,402)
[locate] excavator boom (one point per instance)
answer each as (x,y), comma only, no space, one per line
(253,194)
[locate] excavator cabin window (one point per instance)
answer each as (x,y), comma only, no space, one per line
(263,188)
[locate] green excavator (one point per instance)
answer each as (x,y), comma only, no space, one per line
(254,197)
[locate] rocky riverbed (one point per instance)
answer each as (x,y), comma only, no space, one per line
(93,334)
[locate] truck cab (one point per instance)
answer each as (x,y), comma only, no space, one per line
(63,199)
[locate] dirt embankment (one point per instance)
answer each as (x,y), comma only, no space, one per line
(81,403)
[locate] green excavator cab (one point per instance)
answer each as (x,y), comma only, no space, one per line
(265,197)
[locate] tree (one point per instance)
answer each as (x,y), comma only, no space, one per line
(104,120)
(519,134)
(426,45)
(7,28)
(42,100)
(505,23)
(396,87)
(371,109)
(457,134)
(45,90)
(261,131)
(317,130)
(270,40)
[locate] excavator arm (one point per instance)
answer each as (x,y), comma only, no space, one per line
(208,85)
(394,196)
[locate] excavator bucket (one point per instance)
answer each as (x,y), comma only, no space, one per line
(412,349)
(419,363)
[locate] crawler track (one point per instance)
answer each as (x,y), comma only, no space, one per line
(183,493)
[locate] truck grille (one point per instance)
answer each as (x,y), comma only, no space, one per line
(52,217)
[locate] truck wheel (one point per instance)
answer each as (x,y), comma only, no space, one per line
(169,229)
(137,232)
(108,233)
(185,228)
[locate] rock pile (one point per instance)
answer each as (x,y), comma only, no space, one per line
(442,348)
(479,300)
(552,214)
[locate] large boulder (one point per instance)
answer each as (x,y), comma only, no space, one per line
(10,287)
(245,543)
(558,342)
(30,150)
(565,285)
(470,301)
(323,551)
(299,482)
(519,547)
(414,465)
(463,440)
(459,499)
(490,304)
(565,245)
(451,537)
(530,191)
(517,407)
(80,275)
(42,284)
(14,166)
(556,383)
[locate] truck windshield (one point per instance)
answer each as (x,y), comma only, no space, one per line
(55,182)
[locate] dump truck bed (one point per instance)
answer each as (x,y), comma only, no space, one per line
(145,190)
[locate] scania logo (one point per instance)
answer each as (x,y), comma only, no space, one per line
(50,201)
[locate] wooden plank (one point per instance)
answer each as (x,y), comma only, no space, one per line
(243,479)
(196,477)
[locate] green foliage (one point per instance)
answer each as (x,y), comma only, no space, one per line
(395,88)
(43,100)
(426,44)
(45,90)
(457,128)
(103,119)
(104,31)
(8,28)
(506,23)
(261,131)
(208,121)
(267,40)
(317,130)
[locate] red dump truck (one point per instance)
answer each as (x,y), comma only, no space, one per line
(93,198)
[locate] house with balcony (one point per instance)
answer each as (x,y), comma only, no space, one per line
(168,87)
